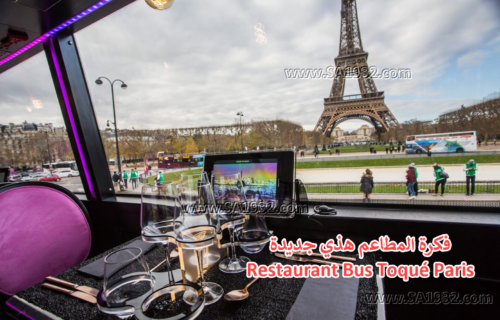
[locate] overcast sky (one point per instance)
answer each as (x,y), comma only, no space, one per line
(198,63)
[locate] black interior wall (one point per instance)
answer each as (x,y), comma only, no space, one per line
(117,222)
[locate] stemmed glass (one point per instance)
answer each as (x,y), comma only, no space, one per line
(229,195)
(253,235)
(126,277)
(159,205)
(196,230)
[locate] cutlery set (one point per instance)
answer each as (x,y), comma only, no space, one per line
(89,294)
(85,293)
(80,292)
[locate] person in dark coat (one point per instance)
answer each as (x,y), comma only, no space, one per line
(386,150)
(366,184)
(116,178)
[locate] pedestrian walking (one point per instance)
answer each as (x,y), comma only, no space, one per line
(146,170)
(125,178)
(133,178)
(410,181)
(495,141)
(159,179)
(441,177)
(478,143)
(386,150)
(391,149)
(403,148)
(416,178)
(470,169)
(122,185)
(329,152)
(399,148)
(116,178)
(366,184)
(149,169)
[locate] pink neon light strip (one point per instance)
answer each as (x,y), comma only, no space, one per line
(70,115)
(52,32)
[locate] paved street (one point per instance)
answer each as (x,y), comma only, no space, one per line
(392,174)
(73,184)
(381,174)
(422,197)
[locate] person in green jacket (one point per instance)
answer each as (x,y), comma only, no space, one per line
(134,177)
(125,178)
(160,179)
(439,180)
(470,169)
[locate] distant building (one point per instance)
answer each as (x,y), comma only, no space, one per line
(364,133)
(16,141)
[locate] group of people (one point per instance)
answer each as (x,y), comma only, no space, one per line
(122,181)
(470,169)
(399,148)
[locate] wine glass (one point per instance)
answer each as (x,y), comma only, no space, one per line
(158,220)
(194,178)
(253,235)
(229,194)
(196,230)
(126,277)
(158,204)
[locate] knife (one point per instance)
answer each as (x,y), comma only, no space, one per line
(87,290)
(279,255)
(76,294)
(303,253)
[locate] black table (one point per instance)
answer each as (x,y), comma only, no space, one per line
(269,298)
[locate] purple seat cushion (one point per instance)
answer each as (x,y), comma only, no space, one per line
(42,233)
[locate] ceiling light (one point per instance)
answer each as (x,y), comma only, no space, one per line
(160,4)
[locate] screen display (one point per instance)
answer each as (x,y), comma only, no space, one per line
(259,177)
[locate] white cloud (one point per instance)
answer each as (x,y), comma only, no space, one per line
(216,68)
(471,58)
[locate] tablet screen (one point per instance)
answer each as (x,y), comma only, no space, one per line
(259,177)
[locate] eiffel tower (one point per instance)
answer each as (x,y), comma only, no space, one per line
(352,60)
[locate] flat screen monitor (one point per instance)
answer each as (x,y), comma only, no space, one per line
(266,176)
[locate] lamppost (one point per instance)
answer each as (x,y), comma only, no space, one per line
(241,130)
(48,149)
(123,86)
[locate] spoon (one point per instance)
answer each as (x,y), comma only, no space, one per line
(238,295)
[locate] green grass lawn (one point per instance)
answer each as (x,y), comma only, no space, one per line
(173,176)
(493,158)
(360,148)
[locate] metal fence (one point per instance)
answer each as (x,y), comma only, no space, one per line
(485,187)
(439,202)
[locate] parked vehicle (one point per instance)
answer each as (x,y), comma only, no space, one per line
(15,178)
(50,178)
(34,176)
(442,142)
(63,173)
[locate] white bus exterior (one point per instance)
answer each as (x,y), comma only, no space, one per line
(442,142)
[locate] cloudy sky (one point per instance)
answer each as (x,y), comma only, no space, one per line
(198,63)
